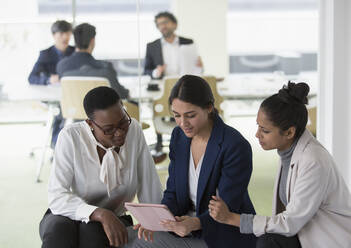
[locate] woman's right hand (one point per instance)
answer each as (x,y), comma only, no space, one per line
(144,233)
(115,230)
(220,212)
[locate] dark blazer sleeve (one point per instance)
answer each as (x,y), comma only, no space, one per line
(39,74)
(170,194)
(236,174)
(235,177)
(149,65)
(60,67)
(112,77)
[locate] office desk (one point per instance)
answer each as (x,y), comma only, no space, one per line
(258,86)
(52,93)
(245,86)
(49,94)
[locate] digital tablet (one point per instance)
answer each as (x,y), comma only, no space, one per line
(150,215)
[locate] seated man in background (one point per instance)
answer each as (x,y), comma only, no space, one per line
(44,70)
(163,58)
(82,63)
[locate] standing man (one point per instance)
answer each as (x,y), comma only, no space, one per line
(82,63)
(162,55)
(163,59)
(44,70)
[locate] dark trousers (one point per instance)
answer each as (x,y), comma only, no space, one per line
(159,145)
(57,125)
(57,231)
(270,240)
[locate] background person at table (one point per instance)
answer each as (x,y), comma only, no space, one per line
(207,157)
(44,70)
(82,63)
(162,58)
(312,205)
(99,164)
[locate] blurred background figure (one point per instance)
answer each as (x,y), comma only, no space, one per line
(163,59)
(44,70)
(82,63)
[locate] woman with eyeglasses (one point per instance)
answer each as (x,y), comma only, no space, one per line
(207,157)
(99,164)
(312,204)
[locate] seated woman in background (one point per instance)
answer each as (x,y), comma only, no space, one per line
(99,164)
(312,204)
(207,157)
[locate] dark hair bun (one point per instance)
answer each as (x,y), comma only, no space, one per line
(294,93)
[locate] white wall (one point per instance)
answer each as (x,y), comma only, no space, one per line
(22,8)
(205,22)
(334,113)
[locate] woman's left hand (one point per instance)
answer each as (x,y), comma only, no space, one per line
(183,225)
(219,211)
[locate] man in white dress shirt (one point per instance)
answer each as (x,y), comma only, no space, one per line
(163,55)
(163,59)
(99,164)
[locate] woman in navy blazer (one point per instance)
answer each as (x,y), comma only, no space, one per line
(224,159)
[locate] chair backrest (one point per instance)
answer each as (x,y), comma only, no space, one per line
(160,106)
(74,90)
(132,109)
(212,81)
(312,120)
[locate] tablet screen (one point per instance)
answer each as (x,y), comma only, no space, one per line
(150,215)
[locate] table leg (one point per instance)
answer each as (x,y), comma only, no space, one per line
(48,127)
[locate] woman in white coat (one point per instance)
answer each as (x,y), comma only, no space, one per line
(312,204)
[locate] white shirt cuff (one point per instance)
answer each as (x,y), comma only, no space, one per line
(259,225)
(155,74)
(84,211)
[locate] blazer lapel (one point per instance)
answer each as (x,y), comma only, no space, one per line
(182,170)
(300,147)
(209,160)
(158,53)
(53,55)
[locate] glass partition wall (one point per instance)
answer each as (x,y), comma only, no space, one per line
(268,43)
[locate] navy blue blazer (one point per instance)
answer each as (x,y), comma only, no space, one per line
(84,64)
(154,56)
(226,166)
(46,65)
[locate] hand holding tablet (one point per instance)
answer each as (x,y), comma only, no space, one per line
(150,215)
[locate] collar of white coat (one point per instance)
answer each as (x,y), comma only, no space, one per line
(303,141)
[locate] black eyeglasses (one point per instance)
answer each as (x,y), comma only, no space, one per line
(123,124)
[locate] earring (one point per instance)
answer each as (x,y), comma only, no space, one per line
(92,129)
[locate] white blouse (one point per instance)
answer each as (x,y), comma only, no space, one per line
(75,189)
(194,180)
